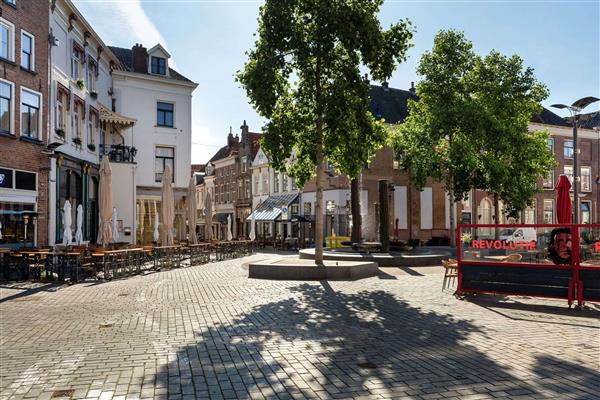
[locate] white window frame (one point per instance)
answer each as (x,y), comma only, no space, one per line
(32,55)
(569,176)
(589,203)
(551,180)
(80,64)
(572,149)
(174,161)
(11,38)
(61,110)
(589,176)
(77,121)
(40,110)
(91,78)
(11,105)
(92,124)
(546,201)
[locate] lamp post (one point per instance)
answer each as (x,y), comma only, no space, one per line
(575,109)
(597,129)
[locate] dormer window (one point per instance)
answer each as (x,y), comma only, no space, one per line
(158,66)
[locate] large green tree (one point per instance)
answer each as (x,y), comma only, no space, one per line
(469,127)
(303,75)
(435,140)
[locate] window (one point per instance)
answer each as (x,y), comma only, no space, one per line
(6,178)
(5,107)
(240,193)
(294,210)
(91,75)
(30,114)
(158,66)
(569,173)
(244,164)
(62,100)
(11,2)
(164,114)
(550,143)
(77,119)
(276,183)
(307,208)
(163,156)
(548,182)
(529,214)
(92,126)
(285,183)
(265,186)
(568,150)
(7,40)
(330,206)
(586,214)
(25,180)
(77,62)
(27,51)
(256,181)
(294,188)
(548,211)
(247,187)
(586,179)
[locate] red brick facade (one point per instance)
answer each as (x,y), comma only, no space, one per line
(17,151)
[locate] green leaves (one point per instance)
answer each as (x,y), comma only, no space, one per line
(321,45)
(469,127)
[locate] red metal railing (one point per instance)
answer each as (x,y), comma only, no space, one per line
(544,279)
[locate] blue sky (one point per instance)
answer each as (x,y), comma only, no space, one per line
(207,40)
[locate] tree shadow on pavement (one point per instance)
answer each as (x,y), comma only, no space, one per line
(27,289)
(328,344)
(585,382)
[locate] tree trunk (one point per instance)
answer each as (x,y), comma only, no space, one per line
(319,160)
(496,216)
(355,204)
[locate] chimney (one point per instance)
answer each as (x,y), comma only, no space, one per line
(366,79)
(230,140)
(385,85)
(412,88)
(139,58)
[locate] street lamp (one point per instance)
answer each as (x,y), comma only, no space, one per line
(575,109)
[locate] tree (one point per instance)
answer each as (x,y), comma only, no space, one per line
(435,140)
(303,75)
(469,127)
(512,160)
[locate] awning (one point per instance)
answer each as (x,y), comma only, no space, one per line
(110,116)
(271,208)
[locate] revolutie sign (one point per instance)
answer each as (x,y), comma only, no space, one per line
(502,245)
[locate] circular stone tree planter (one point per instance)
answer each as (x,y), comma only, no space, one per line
(299,269)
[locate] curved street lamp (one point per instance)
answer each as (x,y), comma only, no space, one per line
(575,110)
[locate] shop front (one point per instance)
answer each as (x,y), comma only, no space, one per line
(18,208)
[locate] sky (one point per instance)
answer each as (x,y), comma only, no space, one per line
(207,40)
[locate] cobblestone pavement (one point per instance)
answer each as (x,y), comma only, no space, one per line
(210,332)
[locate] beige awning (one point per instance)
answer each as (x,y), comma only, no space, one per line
(107,115)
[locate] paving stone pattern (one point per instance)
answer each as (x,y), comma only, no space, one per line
(209,332)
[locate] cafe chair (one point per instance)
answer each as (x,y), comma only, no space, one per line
(450,272)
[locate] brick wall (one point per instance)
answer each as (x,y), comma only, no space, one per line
(15,151)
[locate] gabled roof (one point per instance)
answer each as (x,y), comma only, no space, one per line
(389,104)
(126,64)
(223,152)
(589,120)
(161,48)
(270,209)
(549,118)
(255,140)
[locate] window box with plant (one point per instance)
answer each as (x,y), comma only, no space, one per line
(60,132)
(93,94)
(80,84)
(91,147)
(77,141)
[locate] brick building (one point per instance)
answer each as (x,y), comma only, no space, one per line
(23,123)
(229,174)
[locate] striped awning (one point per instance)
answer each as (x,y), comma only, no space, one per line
(112,117)
(270,209)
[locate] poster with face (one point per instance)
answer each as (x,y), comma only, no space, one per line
(559,247)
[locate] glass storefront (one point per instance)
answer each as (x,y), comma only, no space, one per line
(18,224)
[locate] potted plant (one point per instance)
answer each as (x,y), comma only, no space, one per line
(92,147)
(60,132)
(94,94)
(466,237)
(77,141)
(80,84)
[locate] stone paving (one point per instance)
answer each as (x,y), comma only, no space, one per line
(210,332)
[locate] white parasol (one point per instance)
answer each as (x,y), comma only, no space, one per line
(67,234)
(229,234)
(156,235)
(79,232)
(0,230)
(115,231)
(252,226)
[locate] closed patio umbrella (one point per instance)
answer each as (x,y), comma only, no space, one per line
(192,210)
(106,200)
(142,213)
(252,226)
(0,230)
(168,207)
(229,234)
(115,230)
(79,232)
(208,215)
(156,222)
(67,233)
(564,210)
